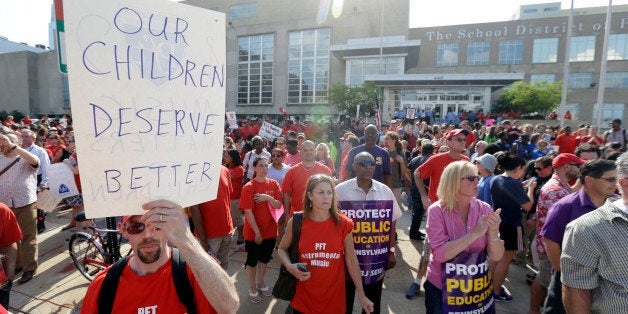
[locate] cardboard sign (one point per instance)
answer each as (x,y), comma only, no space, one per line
(147,86)
(46,201)
(61,181)
(371,235)
(269,131)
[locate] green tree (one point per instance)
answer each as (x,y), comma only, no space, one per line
(540,97)
(347,98)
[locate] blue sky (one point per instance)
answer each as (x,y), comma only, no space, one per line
(27,20)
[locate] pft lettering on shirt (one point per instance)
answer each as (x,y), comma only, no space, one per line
(147,310)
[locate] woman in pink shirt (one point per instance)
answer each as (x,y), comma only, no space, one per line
(458,223)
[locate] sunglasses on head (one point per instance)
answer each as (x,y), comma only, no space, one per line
(366,163)
(135,228)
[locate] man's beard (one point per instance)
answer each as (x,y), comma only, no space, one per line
(148,258)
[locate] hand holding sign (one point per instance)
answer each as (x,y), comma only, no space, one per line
(492,221)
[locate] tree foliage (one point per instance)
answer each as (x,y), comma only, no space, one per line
(347,98)
(522,98)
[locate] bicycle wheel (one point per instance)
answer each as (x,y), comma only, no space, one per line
(88,258)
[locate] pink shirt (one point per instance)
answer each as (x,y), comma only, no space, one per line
(443,227)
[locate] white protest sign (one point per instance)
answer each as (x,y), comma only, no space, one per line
(147,90)
(410,112)
(269,131)
(61,181)
(231,118)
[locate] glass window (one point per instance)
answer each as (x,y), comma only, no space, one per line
(616,80)
(545,50)
(510,51)
(241,11)
(580,80)
(255,69)
(478,53)
(618,47)
(609,112)
(358,68)
(549,78)
(308,66)
(582,48)
(447,55)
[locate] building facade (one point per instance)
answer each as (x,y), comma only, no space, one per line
(287,54)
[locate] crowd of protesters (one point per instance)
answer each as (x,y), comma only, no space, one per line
(521,173)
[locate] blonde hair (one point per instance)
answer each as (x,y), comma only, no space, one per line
(449,185)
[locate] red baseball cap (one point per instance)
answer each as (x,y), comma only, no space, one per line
(566,158)
(455,132)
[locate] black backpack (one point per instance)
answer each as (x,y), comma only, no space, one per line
(179,275)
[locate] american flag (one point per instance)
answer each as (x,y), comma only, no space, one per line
(378,112)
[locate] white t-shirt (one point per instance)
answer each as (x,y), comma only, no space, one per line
(277,174)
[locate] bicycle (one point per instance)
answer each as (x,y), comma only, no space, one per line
(92,253)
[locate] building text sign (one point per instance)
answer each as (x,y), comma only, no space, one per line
(147,90)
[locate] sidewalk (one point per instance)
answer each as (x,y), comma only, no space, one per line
(59,288)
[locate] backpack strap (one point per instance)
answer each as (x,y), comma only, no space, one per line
(182,282)
(110,285)
(179,275)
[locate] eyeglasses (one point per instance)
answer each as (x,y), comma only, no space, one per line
(135,228)
(609,180)
(471,178)
(276,156)
(366,163)
(70,141)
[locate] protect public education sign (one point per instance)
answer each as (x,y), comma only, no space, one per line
(467,285)
(371,235)
(147,87)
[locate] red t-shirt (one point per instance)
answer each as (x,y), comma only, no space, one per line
(10,232)
(433,169)
(216,214)
(54,149)
(295,181)
(324,292)
(264,220)
(237,174)
(566,143)
(146,294)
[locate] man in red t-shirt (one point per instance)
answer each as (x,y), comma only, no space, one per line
(10,234)
(294,182)
(433,168)
(146,282)
(566,142)
(213,223)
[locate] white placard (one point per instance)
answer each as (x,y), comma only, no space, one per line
(147,90)
(231,119)
(410,113)
(269,131)
(61,181)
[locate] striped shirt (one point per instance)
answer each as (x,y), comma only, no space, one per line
(595,255)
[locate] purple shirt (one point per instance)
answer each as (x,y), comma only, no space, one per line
(443,227)
(565,211)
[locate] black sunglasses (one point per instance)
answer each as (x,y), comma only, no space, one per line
(366,163)
(135,228)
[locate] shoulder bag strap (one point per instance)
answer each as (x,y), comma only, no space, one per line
(110,285)
(297,221)
(9,166)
